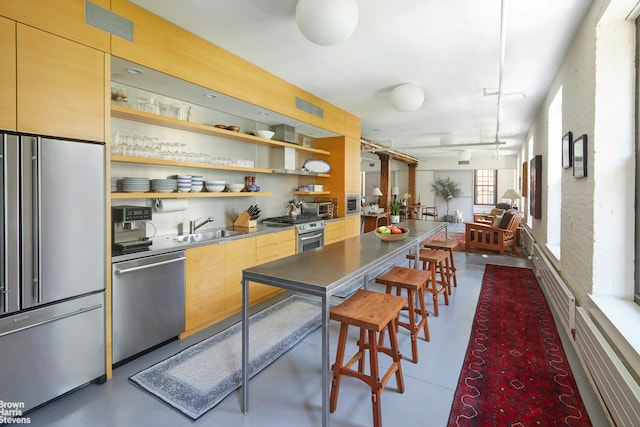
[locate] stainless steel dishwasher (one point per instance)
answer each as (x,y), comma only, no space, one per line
(148,303)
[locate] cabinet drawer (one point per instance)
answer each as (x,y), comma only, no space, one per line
(275,251)
(275,238)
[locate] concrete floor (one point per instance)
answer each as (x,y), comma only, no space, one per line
(288,393)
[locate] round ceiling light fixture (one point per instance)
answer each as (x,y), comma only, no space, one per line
(448,139)
(407,97)
(464,155)
(327,22)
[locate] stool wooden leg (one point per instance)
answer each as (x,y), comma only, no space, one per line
(362,346)
(337,366)
(374,379)
(453,268)
(412,325)
(423,315)
(434,287)
(397,356)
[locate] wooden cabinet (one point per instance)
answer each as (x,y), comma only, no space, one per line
(240,254)
(270,247)
(334,231)
(352,226)
(205,270)
(65,18)
(8,80)
(61,86)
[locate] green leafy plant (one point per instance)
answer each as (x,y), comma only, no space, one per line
(447,189)
(396,205)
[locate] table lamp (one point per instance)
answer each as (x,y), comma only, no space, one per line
(377,193)
(511,194)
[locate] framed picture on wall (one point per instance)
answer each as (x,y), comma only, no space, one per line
(524,178)
(580,157)
(535,187)
(567,150)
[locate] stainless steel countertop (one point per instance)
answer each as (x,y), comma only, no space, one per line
(163,244)
(323,270)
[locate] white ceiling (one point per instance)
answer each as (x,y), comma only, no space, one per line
(451,49)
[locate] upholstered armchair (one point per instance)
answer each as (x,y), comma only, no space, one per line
(494,238)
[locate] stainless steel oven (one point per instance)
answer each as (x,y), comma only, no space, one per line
(309,230)
(352,204)
(310,235)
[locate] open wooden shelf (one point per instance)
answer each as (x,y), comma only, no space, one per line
(162,162)
(203,194)
(169,122)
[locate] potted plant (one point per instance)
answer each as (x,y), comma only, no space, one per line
(448,190)
(396,205)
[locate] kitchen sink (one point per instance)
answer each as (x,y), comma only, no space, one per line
(205,236)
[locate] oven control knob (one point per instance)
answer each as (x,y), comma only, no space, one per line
(301,227)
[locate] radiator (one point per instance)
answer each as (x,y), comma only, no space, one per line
(618,389)
(527,241)
(556,290)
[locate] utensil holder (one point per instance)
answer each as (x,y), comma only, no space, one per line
(245,221)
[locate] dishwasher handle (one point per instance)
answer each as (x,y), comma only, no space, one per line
(145,266)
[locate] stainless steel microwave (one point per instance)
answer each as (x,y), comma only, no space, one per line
(352,204)
(319,209)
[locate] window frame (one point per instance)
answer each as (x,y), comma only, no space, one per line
(493,192)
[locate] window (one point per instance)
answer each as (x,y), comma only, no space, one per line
(485,187)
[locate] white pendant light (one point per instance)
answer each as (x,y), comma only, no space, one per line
(327,22)
(448,139)
(407,97)
(464,155)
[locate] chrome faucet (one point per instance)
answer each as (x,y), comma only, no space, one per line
(193,227)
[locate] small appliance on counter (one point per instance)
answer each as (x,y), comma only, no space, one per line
(129,229)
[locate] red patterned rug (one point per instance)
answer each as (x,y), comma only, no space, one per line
(516,251)
(515,372)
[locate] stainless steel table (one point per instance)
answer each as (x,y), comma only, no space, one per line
(322,272)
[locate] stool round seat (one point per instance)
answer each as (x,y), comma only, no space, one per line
(371,312)
(413,281)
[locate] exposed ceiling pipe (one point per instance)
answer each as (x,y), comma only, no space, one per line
(503,42)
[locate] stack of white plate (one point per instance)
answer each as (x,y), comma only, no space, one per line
(164,185)
(196,183)
(135,185)
(114,183)
(184,183)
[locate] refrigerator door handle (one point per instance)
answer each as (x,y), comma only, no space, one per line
(4,286)
(36,156)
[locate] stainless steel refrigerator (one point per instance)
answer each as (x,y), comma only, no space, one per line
(52,262)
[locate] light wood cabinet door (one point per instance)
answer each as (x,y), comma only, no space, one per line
(205,301)
(352,226)
(240,254)
(352,155)
(65,18)
(8,80)
(270,247)
(334,231)
(61,86)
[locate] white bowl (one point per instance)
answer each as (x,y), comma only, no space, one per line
(196,188)
(267,134)
(216,188)
(235,188)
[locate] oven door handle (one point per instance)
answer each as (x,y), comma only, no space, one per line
(315,236)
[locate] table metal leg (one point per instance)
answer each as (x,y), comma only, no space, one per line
(245,346)
(325,361)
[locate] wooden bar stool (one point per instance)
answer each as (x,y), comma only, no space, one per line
(414,281)
(448,246)
(372,312)
(434,261)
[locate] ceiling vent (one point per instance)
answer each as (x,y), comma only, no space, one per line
(463,162)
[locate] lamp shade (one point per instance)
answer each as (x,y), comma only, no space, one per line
(376,191)
(511,194)
(407,97)
(395,191)
(327,22)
